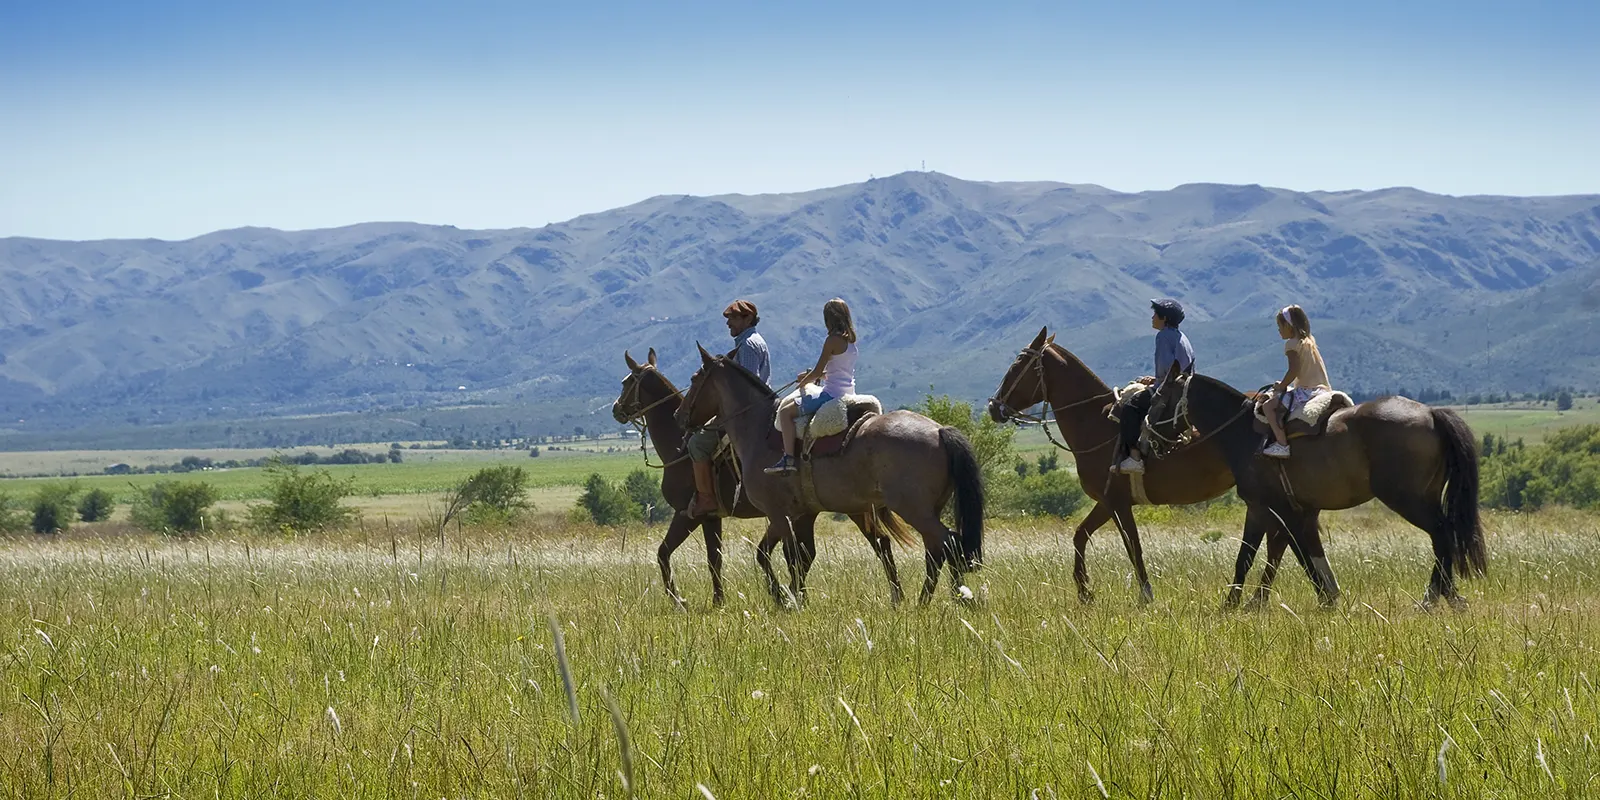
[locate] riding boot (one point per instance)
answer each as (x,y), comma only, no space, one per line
(705,497)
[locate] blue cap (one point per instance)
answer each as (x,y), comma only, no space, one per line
(1168,309)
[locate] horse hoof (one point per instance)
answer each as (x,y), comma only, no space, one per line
(1086,597)
(1146,595)
(719,601)
(1458,603)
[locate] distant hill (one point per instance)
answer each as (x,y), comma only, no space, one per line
(948,278)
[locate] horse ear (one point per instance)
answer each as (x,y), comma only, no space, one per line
(652,357)
(1051,340)
(1038,341)
(1174,371)
(705,358)
(632,365)
(1189,370)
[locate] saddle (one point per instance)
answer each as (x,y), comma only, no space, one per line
(1306,420)
(827,432)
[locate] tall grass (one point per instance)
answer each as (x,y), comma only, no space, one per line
(402,667)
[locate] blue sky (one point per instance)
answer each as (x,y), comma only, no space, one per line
(173,119)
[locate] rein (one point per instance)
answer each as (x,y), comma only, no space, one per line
(640,424)
(1024,418)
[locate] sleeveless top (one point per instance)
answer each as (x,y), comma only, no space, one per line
(839,374)
(1312,373)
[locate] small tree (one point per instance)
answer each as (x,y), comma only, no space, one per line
(1564,401)
(645,492)
(607,504)
(96,506)
(1055,493)
(395,456)
(991,441)
(172,507)
(303,501)
(12,520)
(1049,462)
(53,507)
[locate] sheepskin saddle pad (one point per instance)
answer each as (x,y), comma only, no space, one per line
(833,417)
(1312,412)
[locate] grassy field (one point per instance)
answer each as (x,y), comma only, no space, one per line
(369,667)
(1528,421)
(414,476)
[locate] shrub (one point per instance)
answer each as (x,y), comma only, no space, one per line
(606,504)
(173,507)
(53,507)
(303,500)
(97,505)
(645,491)
(1055,493)
(991,441)
(490,495)
(12,520)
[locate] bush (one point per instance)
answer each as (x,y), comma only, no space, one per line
(53,507)
(490,495)
(12,520)
(1055,493)
(991,441)
(173,507)
(303,501)
(97,505)
(645,491)
(1564,401)
(606,504)
(1564,470)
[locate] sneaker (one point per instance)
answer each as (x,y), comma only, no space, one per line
(1276,450)
(1131,466)
(785,466)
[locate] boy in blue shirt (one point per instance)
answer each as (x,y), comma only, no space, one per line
(1171,346)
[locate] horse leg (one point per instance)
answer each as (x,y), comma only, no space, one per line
(677,530)
(1080,542)
(1305,538)
(1277,542)
(1430,517)
(777,530)
(1255,525)
(939,542)
(1130,540)
(805,537)
(712,529)
(883,546)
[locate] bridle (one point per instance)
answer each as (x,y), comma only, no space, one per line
(1035,361)
(638,419)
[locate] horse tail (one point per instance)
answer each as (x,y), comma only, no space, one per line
(886,521)
(968,480)
(1461,491)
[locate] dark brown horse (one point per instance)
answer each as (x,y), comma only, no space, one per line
(650,400)
(901,462)
(1046,372)
(1421,462)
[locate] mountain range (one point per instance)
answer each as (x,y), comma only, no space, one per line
(948,278)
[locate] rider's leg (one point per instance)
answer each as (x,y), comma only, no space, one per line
(702,446)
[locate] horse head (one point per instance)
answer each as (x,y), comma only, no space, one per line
(1023,384)
(700,403)
(1168,418)
(636,397)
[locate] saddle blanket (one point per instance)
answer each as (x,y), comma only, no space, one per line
(832,418)
(1309,405)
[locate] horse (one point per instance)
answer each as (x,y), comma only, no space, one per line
(650,400)
(1421,462)
(1047,372)
(901,461)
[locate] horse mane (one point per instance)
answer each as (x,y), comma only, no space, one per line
(751,377)
(1067,356)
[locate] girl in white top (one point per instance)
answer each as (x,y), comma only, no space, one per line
(1307,375)
(836,367)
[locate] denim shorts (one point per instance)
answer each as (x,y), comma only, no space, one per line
(809,404)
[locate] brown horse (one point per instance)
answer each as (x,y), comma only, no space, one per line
(649,399)
(1421,462)
(901,461)
(1046,372)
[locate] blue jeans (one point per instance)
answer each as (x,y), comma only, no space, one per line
(809,405)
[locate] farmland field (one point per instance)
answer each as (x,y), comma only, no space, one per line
(358,665)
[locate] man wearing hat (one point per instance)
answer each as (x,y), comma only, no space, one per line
(1171,346)
(750,352)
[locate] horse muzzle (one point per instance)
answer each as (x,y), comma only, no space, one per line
(616,414)
(998,411)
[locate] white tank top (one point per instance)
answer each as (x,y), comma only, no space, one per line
(839,374)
